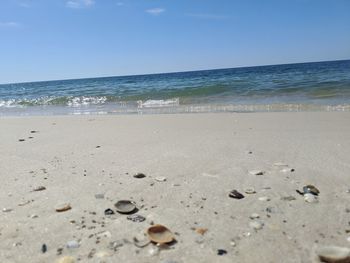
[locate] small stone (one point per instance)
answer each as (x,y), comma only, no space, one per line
(63,207)
(6,210)
(264,198)
(39,188)
(235,194)
(233,243)
(250,190)
(310,198)
(160,179)
(257,225)
(44,248)
(139,175)
(99,196)
(136,218)
(108,212)
(72,244)
(254,216)
(256,172)
(333,254)
(21,140)
(221,252)
(66,259)
(287,170)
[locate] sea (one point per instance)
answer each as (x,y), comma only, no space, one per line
(316,86)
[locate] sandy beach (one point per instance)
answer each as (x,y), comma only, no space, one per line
(192,162)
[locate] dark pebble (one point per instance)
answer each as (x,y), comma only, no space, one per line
(109,211)
(21,140)
(235,194)
(139,175)
(43,248)
(222,252)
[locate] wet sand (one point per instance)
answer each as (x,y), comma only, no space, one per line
(203,157)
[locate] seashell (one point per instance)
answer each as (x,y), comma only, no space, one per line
(310,198)
(139,175)
(235,194)
(108,212)
(141,242)
(136,218)
(160,179)
(333,254)
(310,189)
(256,172)
(63,208)
(264,198)
(160,234)
(257,225)
(250,190)
(254,216)
(125,206)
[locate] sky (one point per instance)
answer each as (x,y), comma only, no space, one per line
(64,39)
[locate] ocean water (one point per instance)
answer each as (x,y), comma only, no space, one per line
(320,86)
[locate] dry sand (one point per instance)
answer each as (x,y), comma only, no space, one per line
(203,157)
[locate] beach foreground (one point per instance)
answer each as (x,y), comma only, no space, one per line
(89,162)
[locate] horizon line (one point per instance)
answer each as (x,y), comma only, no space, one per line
(171,72)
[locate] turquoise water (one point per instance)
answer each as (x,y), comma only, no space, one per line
(304,86)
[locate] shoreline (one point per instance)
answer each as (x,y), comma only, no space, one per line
(203,157)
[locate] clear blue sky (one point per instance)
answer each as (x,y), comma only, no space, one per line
(58,39)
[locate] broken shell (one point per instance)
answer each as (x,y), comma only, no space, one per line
(310,198)
(160,234)
(250,190)
(235,194)
(63,208)
(256,172)
(201,231)
(136,218)
(333,254)
(280,164)
(139,175)
(39,188)
(108,212)
(254,216)
(125,206)
(257,225)
(141,242)
(160,179)
(310,189)
(264,198)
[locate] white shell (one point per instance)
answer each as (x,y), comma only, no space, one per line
(333,254)
(310,198)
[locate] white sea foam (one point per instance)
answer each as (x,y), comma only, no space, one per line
(158,103)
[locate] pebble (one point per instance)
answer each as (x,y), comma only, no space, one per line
(235,194)
(256,172)
(99,196)
(72,244)
(66,259)
(160,179)
(43,248)
(6,210)
(250,190)
(310,198)
(221,252)
(139,175)
(136,218)
(109,211)
(264,198)
(287,170)
(254,216)
(333,254)
(257,225)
